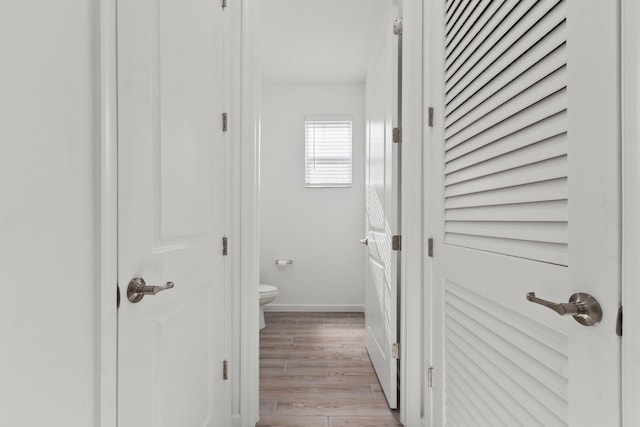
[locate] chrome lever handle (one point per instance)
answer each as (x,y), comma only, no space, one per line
(152,290)
(364,241)
(563,309)
(138,288)
(583,307)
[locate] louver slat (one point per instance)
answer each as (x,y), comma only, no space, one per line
(524,33)
(549,128)
(506,162)
(542,73)
(452,9)
(462,19)
(475,24)
(485,30)
(551,190)
(541,110)
(475,13)
(537,172)
(534,153)
(551,232)
(481,91)
(553,210)
(542,89)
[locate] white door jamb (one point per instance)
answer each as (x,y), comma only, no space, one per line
(107,315)
(248,274)
(630,212)
(412,367)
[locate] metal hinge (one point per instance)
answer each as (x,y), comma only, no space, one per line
(430,377)
(396,243)
(224,4)
(430,116)
(397,27)
(397,135)
(225,370)
(395,350)
(225,250)
(430,247)
(224,122)
(619,322)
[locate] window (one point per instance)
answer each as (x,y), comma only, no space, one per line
(328,153)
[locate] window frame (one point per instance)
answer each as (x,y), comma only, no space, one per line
(328,119)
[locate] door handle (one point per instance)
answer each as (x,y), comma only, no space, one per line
(583,307)
(137,289)
(364,241)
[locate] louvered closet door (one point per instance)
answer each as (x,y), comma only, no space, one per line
(526,176)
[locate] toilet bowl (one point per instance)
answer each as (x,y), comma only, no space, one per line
(267,294)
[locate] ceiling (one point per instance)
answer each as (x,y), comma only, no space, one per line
(318,41)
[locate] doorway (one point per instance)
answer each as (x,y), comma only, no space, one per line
(313,88)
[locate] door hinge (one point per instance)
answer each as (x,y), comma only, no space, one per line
(225,370)
(396,243)
(397,135)
(430,247)
(430,116)
(225,249)
(619,322)
(430,377)
(395,350)
(117,296)
(397,27)
(224,4)
(225,120)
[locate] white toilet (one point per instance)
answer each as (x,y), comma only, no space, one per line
(267,294)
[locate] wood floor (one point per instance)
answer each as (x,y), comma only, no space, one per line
(315,371)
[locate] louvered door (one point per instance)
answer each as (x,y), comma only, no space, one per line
(526,172)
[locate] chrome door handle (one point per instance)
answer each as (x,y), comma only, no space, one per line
(583,307)
(364,241)
(137,289)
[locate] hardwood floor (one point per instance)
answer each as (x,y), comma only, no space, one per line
(315,371)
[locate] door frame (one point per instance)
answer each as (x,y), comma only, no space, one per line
(630,66)
(412,359)
(106,161)
(106,341)
(245,202)
(412,369)
(427,190)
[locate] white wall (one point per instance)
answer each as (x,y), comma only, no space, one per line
(318,228)
(48,241)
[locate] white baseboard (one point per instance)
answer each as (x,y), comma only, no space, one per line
(315,307)
(235,420)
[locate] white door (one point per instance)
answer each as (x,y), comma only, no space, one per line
(526,178)
(171,346)
(382,216)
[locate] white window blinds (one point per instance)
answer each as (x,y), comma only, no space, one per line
(328,153)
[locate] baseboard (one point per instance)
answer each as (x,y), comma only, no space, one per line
(235,420)
(358,308)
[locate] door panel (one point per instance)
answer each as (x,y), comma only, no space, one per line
(510,356)
(382,201)
(526,178)
(171,184)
